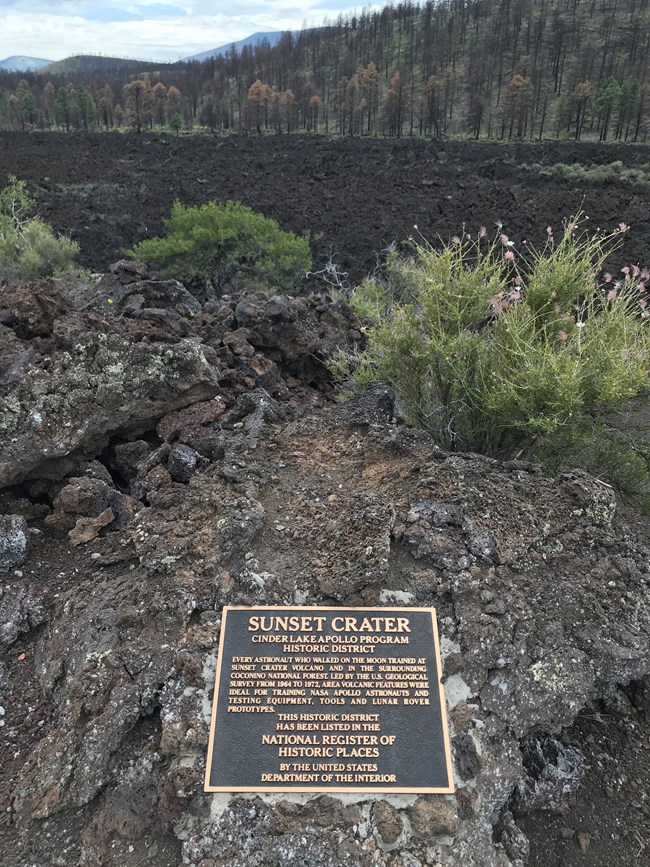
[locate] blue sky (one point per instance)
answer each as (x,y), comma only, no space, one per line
(157,30)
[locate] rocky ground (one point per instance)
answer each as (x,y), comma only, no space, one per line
(161,459)
(352,197)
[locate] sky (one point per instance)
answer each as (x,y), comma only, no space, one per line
(149,29)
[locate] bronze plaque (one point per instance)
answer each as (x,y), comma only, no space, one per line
(329,700)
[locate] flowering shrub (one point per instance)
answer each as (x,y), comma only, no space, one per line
(497,351)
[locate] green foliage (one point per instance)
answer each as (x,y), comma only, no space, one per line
(430,69)
(29,108)
(590,445)
(497,355)
(87,108)
(374,299)
(29,248)
(15,201)
(176,123)
(608,173)
(62,108)
(218,247)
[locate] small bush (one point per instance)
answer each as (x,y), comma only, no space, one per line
(217,247)
(34,251)
(589,445)
(29,248)
(614,172)
(497,353)
(176,123)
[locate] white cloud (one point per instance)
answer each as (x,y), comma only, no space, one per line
(37,28)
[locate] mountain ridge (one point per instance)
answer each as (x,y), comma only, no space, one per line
(86,63)
(271,36)
(23,63)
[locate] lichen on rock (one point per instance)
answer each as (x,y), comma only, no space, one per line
(220,491)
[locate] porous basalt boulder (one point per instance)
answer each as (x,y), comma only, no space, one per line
(67,405)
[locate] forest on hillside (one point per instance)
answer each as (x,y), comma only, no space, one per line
(504,69)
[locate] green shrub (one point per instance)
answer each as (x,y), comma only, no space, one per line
(589,445)
(497,355)
(614,172)
(29,248)
(226,247)
(176,123)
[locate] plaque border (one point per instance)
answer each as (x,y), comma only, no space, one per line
(310,790)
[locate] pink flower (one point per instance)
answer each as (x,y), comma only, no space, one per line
(636,270)
(626,271)
(498,303)
(611,295)
(562,335)
(509,255)
(482,232)
(623,227)
(608,277)
(504,239)
(455,240)
(514,294)
(641,288)
(645,274)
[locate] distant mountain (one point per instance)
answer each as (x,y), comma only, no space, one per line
(18,63)
(82,63)
(273,38)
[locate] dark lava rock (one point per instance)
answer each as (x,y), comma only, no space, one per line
(300,333)
(553,772)
(254,833)
(86,497)
(125,458)
(431,816)
(13,542)
(67,409)
(181,463)
(540,585)
(32,309)
(20,611)
(468,762)
(322,507)
(387,821)
(134,299)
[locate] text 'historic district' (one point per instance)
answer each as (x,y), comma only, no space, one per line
(329,699)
